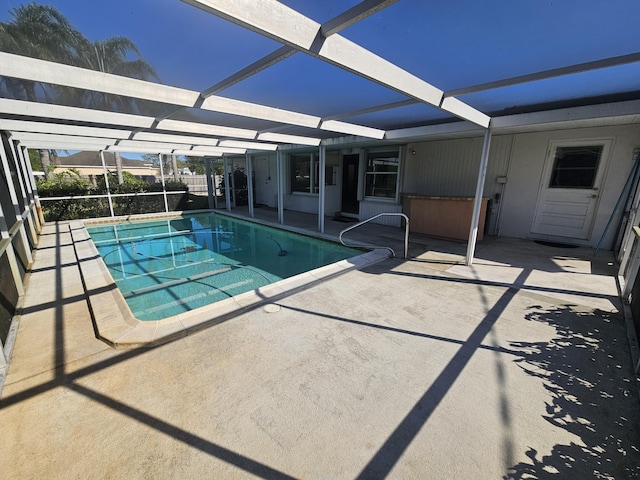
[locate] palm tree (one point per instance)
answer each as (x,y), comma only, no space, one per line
(119,56)
(40,31)
(112,56)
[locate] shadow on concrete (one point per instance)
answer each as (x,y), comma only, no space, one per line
(392,450)
(69,379)
(588,374)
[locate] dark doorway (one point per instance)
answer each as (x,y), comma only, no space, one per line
(350,183)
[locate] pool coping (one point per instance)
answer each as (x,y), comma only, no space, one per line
(115,324)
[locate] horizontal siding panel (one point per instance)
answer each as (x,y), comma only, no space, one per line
(450,168)
(370,209)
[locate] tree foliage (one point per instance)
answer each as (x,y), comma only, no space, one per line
(40,31)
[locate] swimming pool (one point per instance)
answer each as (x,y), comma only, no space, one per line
(165,267)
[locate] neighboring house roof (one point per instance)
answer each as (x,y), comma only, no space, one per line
(92,159)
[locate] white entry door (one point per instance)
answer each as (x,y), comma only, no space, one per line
(570,188)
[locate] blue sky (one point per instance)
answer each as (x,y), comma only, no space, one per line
(450,44)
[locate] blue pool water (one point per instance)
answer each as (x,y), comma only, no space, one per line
(170,266)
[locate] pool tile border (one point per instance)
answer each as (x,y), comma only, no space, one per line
(116,325)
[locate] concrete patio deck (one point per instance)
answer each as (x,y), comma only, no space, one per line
(516,367)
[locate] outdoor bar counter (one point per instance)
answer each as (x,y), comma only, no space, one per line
(446,217)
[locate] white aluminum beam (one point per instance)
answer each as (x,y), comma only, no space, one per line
(49,111)
(25,137)
(284,138)
(60,128)
(213,151)
(56,73)
(252,145)
(49,72)
(477,203)
(443,130)
(280,175)
(152,145)
(464,111)
(322,162)
(274,20)
(150,149)
(360,11)
(552,73)
(351,129)
(169,138)
(336,24)
(61,145)
(194,153)
(249,162)
(374,109)
(205,129)
(250,70)
(262,112)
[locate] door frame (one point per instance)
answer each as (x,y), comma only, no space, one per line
(344,175)
(601,174)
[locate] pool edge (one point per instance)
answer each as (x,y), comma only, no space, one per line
(115,324)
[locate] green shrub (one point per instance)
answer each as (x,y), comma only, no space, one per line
(71,184)
(64,184)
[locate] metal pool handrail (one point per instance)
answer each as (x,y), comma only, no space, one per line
(391,214)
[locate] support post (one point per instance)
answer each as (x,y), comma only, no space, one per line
(233,184)
(477,204)
(321,187)
(24,188)
(10,252)
(249,160)
(26,248)
(34,202)
(227,183)
(210,182)
(164,188)
(32,179)
(280,173)
(106,182)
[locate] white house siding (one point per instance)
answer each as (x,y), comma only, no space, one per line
(308,203)
(370,208)
(450,168)
(527,163)
(301,202)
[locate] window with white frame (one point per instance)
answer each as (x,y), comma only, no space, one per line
(575,166)
(381,174)
(305,173)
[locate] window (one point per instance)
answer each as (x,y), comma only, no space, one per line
(381,175)
(305,173)
(575,167)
